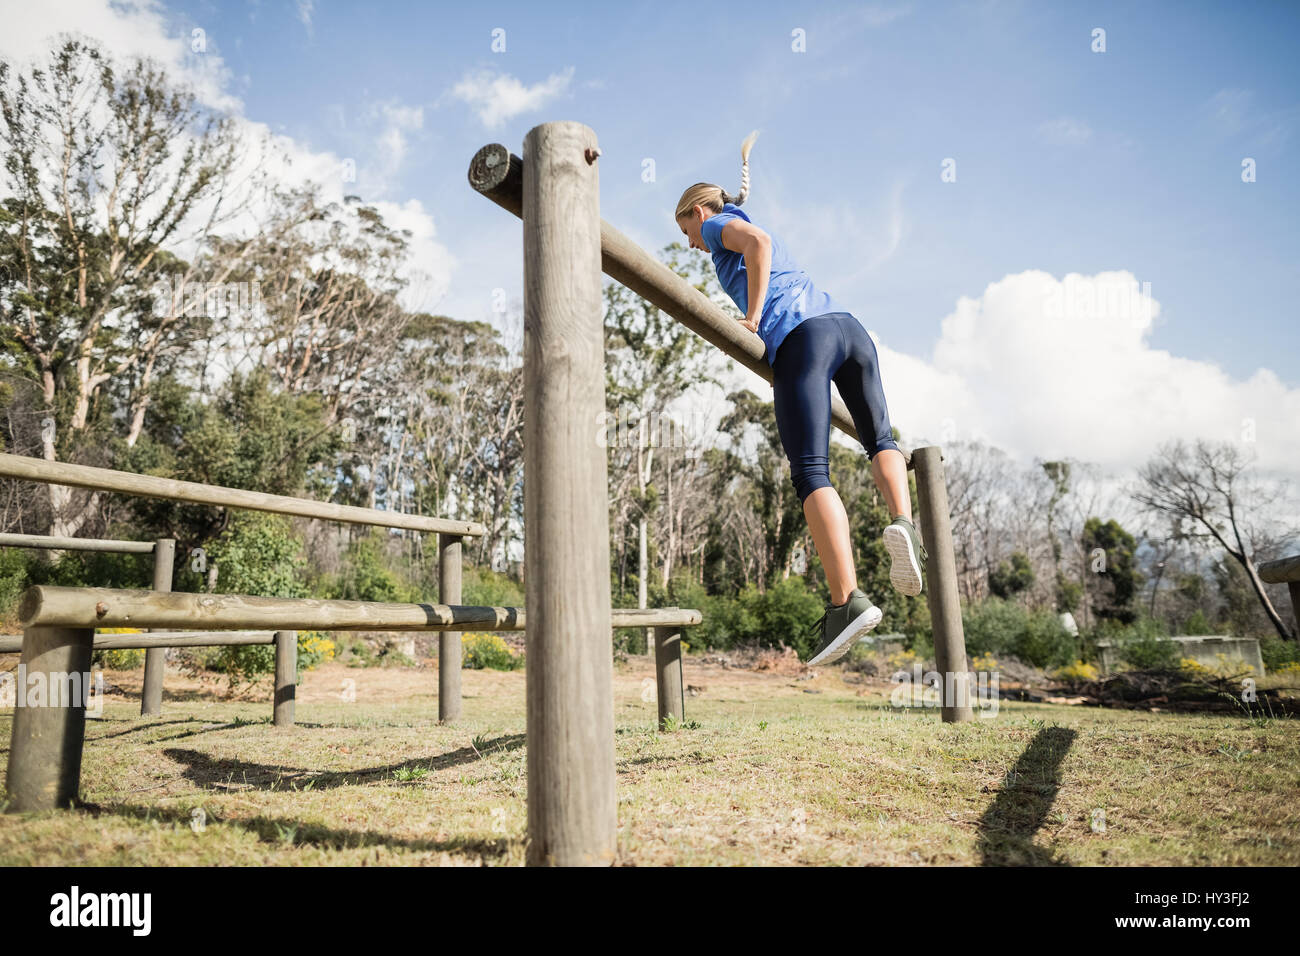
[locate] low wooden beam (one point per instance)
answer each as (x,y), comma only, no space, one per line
(46,605)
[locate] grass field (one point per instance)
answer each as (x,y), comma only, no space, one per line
(769,769)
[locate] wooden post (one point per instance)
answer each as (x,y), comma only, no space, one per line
(941,584)
(48,734)
(572,808)
(1294,588)
(449,642)
(286,677)
(668,674)
(155,658)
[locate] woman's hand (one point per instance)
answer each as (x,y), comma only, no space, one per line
(750,323)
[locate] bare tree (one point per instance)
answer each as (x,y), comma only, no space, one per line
(1209,491)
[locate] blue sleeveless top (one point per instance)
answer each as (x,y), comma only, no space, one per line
(791,295)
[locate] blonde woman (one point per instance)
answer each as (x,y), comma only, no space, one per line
(811,341)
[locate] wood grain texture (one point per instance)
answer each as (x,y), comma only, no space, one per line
(150,486)
(449,642)
(57,543)
(155,658)
(46,741)
(572,809)
(53,605)
(941,585)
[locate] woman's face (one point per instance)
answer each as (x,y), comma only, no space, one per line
(691,223)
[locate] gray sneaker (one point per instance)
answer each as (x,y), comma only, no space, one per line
(907,556)
(840,626)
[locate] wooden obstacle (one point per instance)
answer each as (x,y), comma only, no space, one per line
(450,534)
(1285,571)
(555,191)
(59,636)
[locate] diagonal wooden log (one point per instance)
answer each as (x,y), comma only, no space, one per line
(498,174)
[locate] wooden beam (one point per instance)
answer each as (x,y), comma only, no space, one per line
(47,738)
(449,642)
(941,586)
(48,605)
(498,174)
(151,486)
(155,658)
(572,801)
(286,677)
(668,674)
(13,643)
(56,543)
(1281,571)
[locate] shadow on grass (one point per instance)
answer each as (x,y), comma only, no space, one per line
(284,833)
(212,774)
(1006,831)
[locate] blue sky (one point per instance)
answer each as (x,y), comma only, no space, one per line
(1127,161)
(1142,171)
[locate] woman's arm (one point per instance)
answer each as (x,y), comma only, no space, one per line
(756,246)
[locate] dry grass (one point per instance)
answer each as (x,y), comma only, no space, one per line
(774,767)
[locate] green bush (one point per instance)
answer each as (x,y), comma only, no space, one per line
(1004,628)
(259,554)
(1277,653)
(1144,645)
(480,650)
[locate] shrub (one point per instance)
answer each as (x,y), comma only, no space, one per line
(1277,653)
(1144,646)
(488,650)
(1076,673)
(124,659)
(313,648)
(998,627)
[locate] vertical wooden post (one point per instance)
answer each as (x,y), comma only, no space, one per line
(668,673)
(1294,588)
(286,677)
(155,658)
(449,642)
(49,733)
(572,805)
(941,584)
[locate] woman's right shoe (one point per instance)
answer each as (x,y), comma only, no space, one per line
(907,556)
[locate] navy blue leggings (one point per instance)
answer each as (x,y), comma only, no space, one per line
(819,350)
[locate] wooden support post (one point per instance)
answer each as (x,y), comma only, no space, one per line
(668,674)
(449,642)
(1294,588)
(572,805)
(286,677)
(941,584)
(155,658)
(49,732)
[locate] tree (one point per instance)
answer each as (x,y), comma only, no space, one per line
(105,168)
(1009,578)
(1117,569)
(1209,491)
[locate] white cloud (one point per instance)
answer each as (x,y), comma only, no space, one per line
(125,28)
(1052,367)
(129,28)
(498,97)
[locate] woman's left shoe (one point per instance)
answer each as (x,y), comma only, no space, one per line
(907,556)
(840,626)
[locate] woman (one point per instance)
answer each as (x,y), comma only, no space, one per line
(811,341)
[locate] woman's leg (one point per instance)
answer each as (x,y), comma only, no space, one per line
(858,380)
(829,524)
(801,386)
